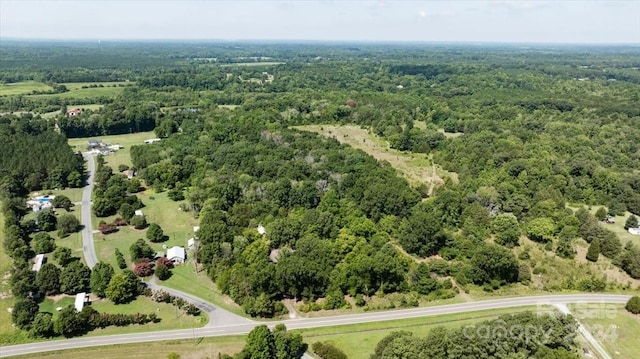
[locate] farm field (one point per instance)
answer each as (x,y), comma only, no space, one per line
(23,88)
(615,328)
(415,167)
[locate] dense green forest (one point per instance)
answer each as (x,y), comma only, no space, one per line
(528,131)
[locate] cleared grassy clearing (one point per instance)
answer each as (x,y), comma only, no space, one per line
(76,90)
(119,157)
(615,328)
(72,86)
(617,228)
(253,64)
(417,168)
(23,88)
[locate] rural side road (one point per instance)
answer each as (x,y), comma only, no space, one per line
(87,232)
(300,323)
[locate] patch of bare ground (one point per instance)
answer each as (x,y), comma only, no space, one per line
(417,168)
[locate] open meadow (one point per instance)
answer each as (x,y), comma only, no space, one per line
(23,88)
(417,168)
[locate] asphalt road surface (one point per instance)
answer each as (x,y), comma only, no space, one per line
(87,232)
(226,329)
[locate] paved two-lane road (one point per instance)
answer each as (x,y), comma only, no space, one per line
(87,232)
(220,330)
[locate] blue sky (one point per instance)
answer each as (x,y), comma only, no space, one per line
(563,21)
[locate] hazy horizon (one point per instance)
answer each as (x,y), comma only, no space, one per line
(469,22)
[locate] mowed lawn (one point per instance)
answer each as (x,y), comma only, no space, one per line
(616,329)
(23,88)
(185,278)
(170,317)
(160,209)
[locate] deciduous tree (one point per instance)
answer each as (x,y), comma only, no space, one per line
(100,277)
(48,279)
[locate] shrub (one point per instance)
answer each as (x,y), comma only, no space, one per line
(143,268)
(122,263)
(106,228)
(633,305)
(327,351)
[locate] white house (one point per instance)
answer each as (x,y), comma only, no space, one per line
(635,231)
(138,212)
(37,262)
(176,254)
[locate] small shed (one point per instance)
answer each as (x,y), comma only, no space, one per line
(138,212)
(191,243)
(176,254)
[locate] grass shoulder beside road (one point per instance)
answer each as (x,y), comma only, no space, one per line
(358,341)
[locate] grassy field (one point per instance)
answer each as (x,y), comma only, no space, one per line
(615,328)
(119,157)
(357,341)
(253,64)
(109,89)
(185,279)
(417,168)
(23,88)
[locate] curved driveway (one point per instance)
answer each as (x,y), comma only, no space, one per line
(220,330)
